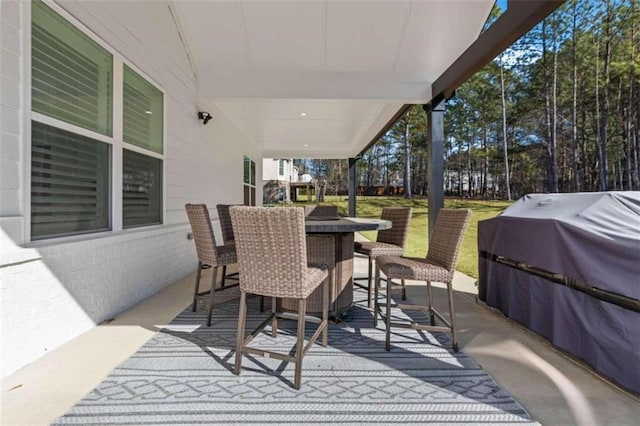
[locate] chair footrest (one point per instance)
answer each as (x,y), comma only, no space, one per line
(279,355)
(232,276)
(208,292)
(372,280)
(204,296)
(294,316)
(269,354)
(416,326)
(416,308)
(356,284)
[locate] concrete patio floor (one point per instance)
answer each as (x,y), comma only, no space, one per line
(555,388)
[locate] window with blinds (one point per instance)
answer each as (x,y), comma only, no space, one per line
(69,183)
(71,168)
(71,74)
(141,190)
(142,112)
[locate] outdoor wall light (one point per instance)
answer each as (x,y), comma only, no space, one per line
(204,116)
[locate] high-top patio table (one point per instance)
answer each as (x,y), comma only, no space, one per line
(330,241)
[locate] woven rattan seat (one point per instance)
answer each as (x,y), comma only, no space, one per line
(439,266)
(225,222)
(389,242)
(209,255)
(227,235)
(272,254)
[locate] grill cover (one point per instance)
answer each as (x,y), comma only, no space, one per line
(592,239)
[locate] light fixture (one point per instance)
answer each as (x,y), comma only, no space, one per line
(305,145)
(204,116)
(148,112)
(303,114)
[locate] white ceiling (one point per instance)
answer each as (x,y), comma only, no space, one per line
(349,65)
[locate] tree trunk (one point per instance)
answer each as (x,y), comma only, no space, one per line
(485,162)
(574,109)
(554,119)
(552,178)
(407,162)
(505,149)
(637,136)
(598,109)
(631,175)
(604,113)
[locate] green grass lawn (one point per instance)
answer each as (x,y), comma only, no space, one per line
(417,242)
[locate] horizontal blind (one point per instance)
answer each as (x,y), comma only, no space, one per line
(69,183)
(142,112)
(247,170)
(72,76)
(141,190)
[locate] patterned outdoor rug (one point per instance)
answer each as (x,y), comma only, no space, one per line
(183,375)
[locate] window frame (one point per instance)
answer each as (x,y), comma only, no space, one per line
(116,142)
(249,185)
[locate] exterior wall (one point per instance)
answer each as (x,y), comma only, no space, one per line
(276,186)
(11,126)
(53,290)
(271,170)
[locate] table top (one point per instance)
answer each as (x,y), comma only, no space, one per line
(345,224)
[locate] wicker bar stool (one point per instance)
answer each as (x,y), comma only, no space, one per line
(272,253)
(209,255)
(439,266)
(389,241)
(227,235)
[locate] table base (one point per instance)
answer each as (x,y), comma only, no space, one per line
(335,251)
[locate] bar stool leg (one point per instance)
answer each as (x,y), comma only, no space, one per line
(224,275)
(387,341)
(274,322)
(212,294)
(242,318)
(197,289)
(369,277)
(404,290)
(302,310)
(325,310)
(430,294)
(375,297)
(452,319)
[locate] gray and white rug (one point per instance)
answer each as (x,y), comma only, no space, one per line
(183,375)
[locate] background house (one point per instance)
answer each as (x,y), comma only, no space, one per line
(277,176)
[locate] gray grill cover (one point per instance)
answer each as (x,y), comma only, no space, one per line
(591,237)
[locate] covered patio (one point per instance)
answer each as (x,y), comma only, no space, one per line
(235,82)
(553,387)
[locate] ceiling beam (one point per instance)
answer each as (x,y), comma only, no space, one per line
(519,18)
(386,127)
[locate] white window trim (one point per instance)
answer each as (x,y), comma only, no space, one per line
(255,178)
(116,141)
